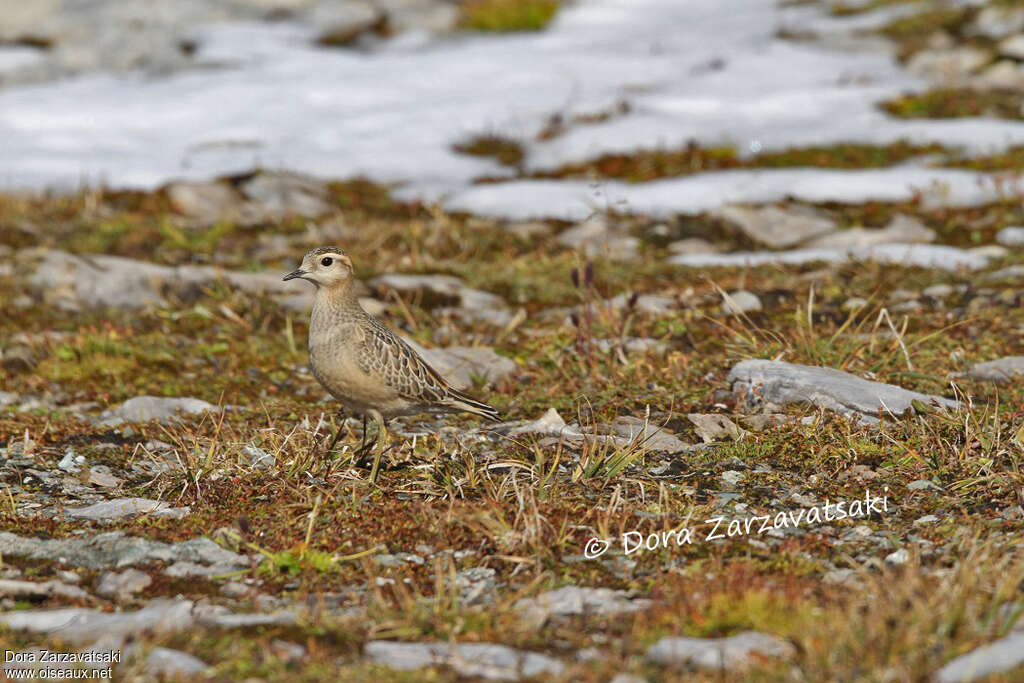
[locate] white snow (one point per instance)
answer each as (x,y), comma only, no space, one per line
(576,200)
(706,70)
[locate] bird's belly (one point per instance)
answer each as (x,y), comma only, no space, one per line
(341,375)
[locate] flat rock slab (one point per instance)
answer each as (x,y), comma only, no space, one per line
(1008,369)
(115,549)
(100,281)
(462,366)
(579,600)
(485,660)
(147,408)
(922,255)
(728,654)
(783,383)
(448,288)
(776,227)
(164,662)
(41,589)
(162,617)
(126,507)
(1003,655)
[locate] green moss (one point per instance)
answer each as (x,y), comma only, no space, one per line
(505,150)
(507,15)
(946,103)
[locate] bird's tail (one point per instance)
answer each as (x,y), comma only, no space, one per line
(460,402)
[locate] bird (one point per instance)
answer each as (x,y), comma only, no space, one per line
(364,365)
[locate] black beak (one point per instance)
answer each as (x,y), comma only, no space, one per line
(298,272)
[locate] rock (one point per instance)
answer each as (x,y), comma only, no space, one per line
(650,304)
(1012,236)
(80,626)
(898,557)
(653,437)
(99,281)
(115,549)
(548,423)
(692,245)
(724,654)
(623,677)
(947,66)
(18,359)
(1013,47)
(939,291)
(732,478)
(279,195)
(1003,75)
(529,231)
(594,237)
(126,507)
(8,398)
(208,202)
(42,589)
(148,408)
(1003,655)
(462,366)
(347,22)
(991,251)
(921,255)
(923,485)
(164,662)
(998,21)
(783,383)
(287,652)
(70,463)
(739,302)
(1010,273)
(999,370)
(483,660)
(258,458)
(221,617)
(901,229)
(713,427)
(576,601)
(777,228)
(122,585)
(632,345)
(476,585)
(445,289)
(854,303)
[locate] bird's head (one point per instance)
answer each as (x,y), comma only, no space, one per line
(324,267)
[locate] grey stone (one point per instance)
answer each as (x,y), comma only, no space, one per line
(463,365)
(901,229)
(258,458)
(712,427)
(998,22)
(476,585)
(443,286)
(1000,656)
(652,436)
(923,485)
(1009,368)
(167,663)
(1005,74)
(80,626)
(651,304)
(100,281)
(578,600)
(208,202)
(122,585)
(549,423)
(484,660)
(595,237)
(1012,236)
(279,195)
(632,345)
(41,589)
(125,507)
(728,654)
(115,549)
(147,408)
(939,291)
(935,256)
(692,245)
(740,301)
(783,383)
(1009,273)
(950,66)
(897,557)
(777,228)
(1013,47)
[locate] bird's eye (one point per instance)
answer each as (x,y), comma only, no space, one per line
(326,261)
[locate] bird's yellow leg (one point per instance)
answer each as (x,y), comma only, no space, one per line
(382,433)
